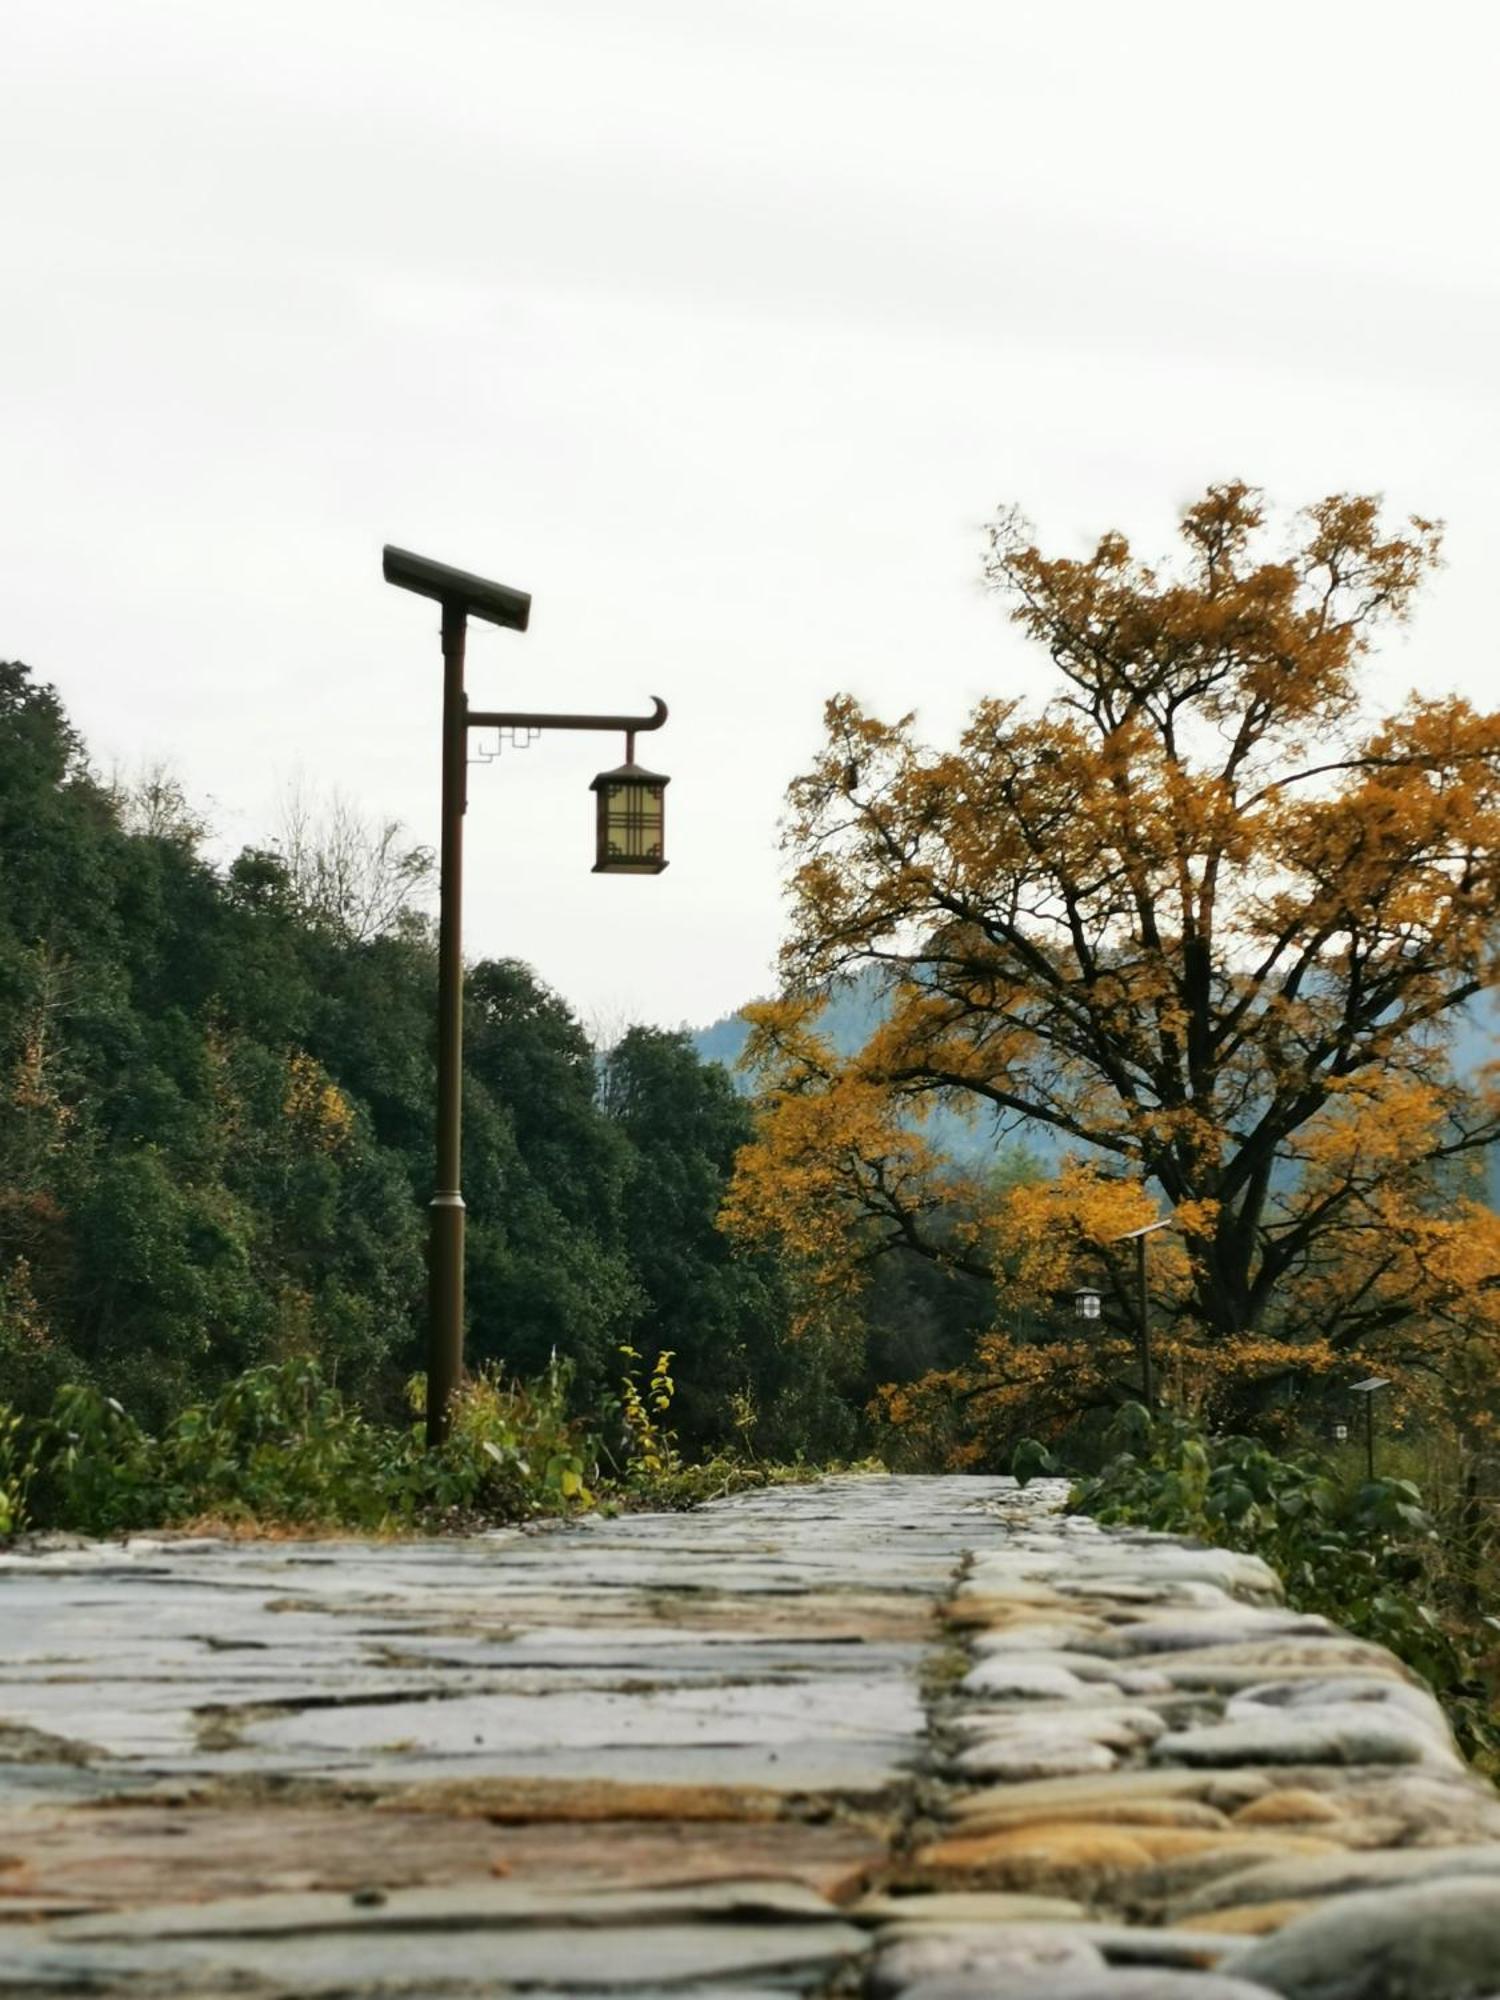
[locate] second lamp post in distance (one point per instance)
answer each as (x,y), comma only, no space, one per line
(1088,1303)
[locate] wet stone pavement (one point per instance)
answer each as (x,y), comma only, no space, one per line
(905,1739)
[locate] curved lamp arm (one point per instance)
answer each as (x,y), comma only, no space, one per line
(506,718)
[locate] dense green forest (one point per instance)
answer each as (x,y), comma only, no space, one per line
(215,1135)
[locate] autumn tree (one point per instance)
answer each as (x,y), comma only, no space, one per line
(1200,918)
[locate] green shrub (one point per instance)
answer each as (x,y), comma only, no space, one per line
(93,1468)
(15,1473)
(512,1450)
(649,1467)
(281,1445)
(278,1443)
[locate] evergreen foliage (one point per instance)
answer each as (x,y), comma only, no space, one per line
(216,1092)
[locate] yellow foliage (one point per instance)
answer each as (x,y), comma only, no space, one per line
(315,1106)
(1203,922)
(21,1318)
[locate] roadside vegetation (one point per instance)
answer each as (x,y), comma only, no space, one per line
(280,1449)
(216,1104)
(1367,1552)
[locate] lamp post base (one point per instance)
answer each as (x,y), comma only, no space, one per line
(445,1329)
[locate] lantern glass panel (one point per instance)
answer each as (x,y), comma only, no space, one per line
(632,813)
(1087,1304)
(631,823)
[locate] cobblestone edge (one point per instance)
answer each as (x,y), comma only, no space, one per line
(1157,1783)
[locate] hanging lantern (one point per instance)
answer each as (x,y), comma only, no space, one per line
(1087,1303)
(632,820)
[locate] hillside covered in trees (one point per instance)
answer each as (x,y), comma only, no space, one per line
(216,1089)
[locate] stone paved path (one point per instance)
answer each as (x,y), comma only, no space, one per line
(908,1737)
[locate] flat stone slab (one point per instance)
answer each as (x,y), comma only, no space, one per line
(592,1958)
(493,1906)
(1440,1940)
(1106,1985)
(114,1858)
(1214,1817)
(1029,1956)
(696,1648)
(1336,1733)
(652,1753)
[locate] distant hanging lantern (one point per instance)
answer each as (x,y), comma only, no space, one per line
(632,819)
(1087,1303)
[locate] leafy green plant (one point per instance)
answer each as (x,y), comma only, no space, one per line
(654,1472)
(1363,1555)
(95,1468)
(281,1445)
(1030,1460)
(652,1457)
(15,1473)
(512,1451)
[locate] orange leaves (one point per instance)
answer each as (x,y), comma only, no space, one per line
(1360,568)
(1046,1233)
(1198,1218)
(1196,920)
(1371,1126)
(314,1106)
(1245,625)
(22,1321)
(830,1150)
(971,1417)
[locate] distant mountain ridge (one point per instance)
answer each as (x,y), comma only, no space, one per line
(850,1018)
(856,1011)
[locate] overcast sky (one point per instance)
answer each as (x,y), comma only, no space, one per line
(722,326)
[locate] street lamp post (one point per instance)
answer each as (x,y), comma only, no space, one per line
(1369,1389)
(630,841)
(1087,1304)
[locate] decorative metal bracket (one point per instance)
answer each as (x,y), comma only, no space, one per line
(518,719)
(505,739)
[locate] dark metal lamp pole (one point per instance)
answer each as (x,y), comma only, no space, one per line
(1088,1303)
(1370,1388)
(1143,1305)
(462,596)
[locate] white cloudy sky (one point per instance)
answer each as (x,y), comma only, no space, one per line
(722,326)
